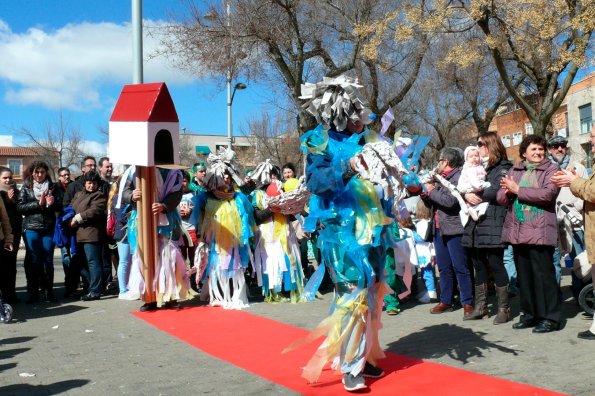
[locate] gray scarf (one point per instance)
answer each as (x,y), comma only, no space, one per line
(40,188)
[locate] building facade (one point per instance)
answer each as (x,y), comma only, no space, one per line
(573,120)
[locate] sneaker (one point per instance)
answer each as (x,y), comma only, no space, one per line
(393,311)
(423,297)
(371,371)
(354,383)
(129,295)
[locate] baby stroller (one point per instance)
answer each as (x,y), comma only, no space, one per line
(572,240)
(5,311)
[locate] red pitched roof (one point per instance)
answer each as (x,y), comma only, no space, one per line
(7,151)
(145,102)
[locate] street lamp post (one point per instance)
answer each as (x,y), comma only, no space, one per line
(230,96)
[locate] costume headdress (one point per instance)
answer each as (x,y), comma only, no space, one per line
(201,166)
(225,161)
(262,172)
(334,101)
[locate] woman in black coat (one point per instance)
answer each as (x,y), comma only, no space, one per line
(483,238)
(38,203)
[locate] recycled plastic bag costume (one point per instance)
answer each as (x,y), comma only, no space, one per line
(171,281)
(276,252)
(353,226)
(227,224)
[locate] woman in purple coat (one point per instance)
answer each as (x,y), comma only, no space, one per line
(530,227)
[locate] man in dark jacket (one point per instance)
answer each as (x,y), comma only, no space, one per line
(448,230)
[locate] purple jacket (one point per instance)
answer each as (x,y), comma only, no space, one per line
(543,229)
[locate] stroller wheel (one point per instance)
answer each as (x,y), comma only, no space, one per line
(6,314)
(586,299)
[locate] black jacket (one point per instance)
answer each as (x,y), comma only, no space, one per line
(35,216)
(487,231)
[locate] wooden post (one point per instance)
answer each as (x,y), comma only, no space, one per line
(147,230)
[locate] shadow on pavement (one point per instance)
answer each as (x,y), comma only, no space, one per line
(458,343)
(51,389)
(24,312)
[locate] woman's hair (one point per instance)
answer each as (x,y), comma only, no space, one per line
(453,155)
(532,139)
(186,176)
(113,191)
(4,169)
(496,150)
(35,165)
(406,222)
(422,211)
(91,176)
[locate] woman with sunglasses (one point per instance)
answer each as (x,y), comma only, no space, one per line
(482,238)
(531,228)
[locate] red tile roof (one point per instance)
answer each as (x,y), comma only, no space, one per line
(6,151)
(145,102)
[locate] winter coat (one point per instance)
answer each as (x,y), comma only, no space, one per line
(79,185)
(91,208)
(447,206)
(37,217)
(585,190)
(543,229)
(487,231)
(5,228)
(15,218)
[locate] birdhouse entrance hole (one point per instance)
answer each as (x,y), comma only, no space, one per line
(164,148)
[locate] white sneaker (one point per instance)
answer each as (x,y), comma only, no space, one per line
(433,295)
(423,297)
(129,295)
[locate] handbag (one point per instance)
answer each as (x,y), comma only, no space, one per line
(110,229)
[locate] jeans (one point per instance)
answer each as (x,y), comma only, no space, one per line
(92,269)
(123,266)
(452,263)
(40,246)
(510,268)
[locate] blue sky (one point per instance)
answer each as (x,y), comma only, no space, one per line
(73,57)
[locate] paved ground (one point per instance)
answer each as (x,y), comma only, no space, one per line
(98,348)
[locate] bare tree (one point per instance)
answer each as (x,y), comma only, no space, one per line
(272,138)
(58,145)
(287,42)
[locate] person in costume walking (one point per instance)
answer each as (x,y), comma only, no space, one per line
(276,253)
(352,223)
(227,224)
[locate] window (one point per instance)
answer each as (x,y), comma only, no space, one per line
(517,138)
(586,117)
(506,140)
(15,166)
(528,128)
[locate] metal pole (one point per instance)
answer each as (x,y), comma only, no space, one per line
(229,98)
(137,41)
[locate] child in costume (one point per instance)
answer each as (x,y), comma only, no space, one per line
(472,180)
(227,224)
(277,258)
(352,227)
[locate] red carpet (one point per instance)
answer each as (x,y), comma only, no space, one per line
(255,343)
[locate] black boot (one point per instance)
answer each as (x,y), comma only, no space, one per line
(480,310)
(49,287)
(503,315)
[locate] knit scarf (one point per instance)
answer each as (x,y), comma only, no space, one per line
(40,188)
(526,212)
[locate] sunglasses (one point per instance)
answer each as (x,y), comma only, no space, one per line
(65,174)
(558,145)
(481,144)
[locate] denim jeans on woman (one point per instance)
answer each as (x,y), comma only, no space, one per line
(92,268)
(40,247)
(123,266)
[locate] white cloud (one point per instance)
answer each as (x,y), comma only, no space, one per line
(68,67)
(96,149)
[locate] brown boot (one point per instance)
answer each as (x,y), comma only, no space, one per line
(480,310)
(503,315)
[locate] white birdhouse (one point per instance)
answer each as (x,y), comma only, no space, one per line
(144,128)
